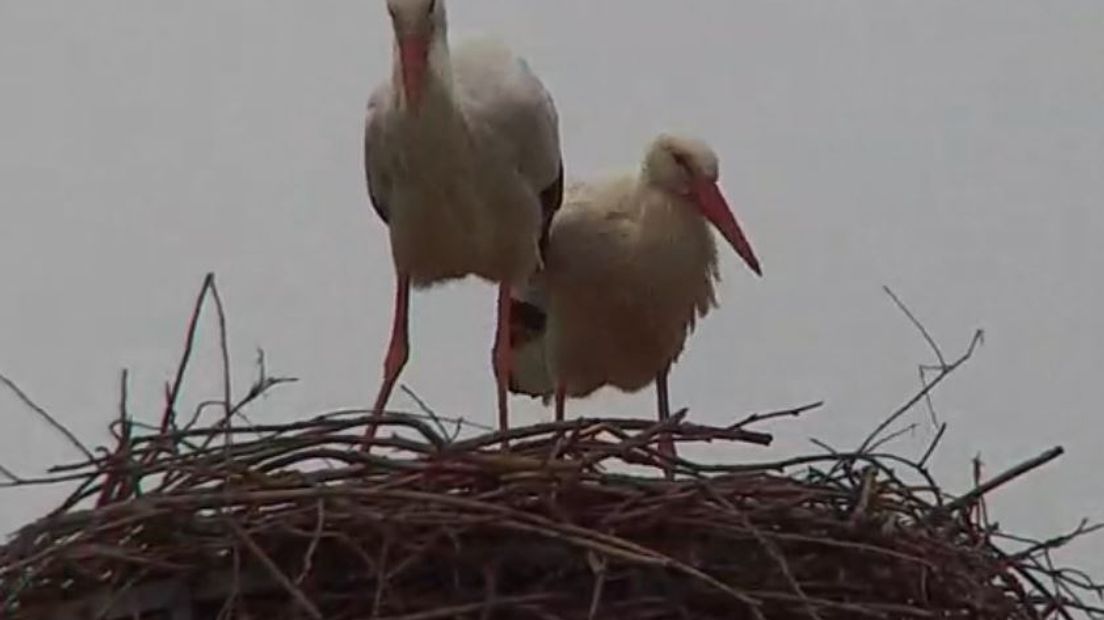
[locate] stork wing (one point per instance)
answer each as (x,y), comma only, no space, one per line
(551,198)
(379,185)
(502,98)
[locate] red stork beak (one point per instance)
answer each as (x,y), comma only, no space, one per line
(413,57)
(715,209)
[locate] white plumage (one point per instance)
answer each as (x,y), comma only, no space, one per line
(463,162)
(630,266)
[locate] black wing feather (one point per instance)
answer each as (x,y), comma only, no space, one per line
(551,198)
(378,203)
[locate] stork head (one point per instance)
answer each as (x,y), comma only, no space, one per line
(416,24)
(689,168)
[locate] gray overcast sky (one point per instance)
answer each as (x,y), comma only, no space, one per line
(952,150)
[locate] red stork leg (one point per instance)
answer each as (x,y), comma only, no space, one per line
(501,356)
(397,351)
(666,445)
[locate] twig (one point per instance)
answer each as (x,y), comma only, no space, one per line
(894,435)
(761,417)
(224,352)
(7,473)
(296,594)
(316,537)
(1015,472)
(173,391)
(426,410)
(932,446)
(900,411)
(919,326)
(46,416)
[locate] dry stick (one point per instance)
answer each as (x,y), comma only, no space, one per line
(894,435)
(514,434)
(771,549)
(426,410)
(931,343)
(598,567)
(921,370)
(308,557)
(1039,587)
(1036,546)
(639,440)
(118,470)
(900,411)
(1015,472)
(189,342)
(457,611)
(7,473)
(235,586)
(866,491)
(762,417)
(46,416)
(274,570)
(920,326)
(124,376)
(931,446)
(943,369)
(490,598)
(381,578)
(224,352)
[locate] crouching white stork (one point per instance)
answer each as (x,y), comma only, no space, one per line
(630,265)
(463,162)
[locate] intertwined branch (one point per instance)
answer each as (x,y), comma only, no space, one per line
(575,519)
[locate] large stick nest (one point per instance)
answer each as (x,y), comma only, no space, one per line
(578,519)
(297,521)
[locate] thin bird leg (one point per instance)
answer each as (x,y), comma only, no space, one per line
(397,351)
(561,396)
(666,446)
(501,356)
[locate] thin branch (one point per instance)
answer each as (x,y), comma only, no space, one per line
(45,415)
(224,351)
(1011,474)
(762,417)
(919,326)
(426,409)
(173,391)
(903,409)
(933,445)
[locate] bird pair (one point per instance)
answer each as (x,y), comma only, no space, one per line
(462,156)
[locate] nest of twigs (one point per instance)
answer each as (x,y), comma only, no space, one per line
(297,522)
(574,520)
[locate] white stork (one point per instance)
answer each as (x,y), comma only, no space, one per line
(630,265)
(463,161)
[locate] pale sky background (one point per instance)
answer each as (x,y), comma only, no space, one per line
(953,150)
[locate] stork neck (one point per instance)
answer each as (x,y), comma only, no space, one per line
(437,89)
(666,217)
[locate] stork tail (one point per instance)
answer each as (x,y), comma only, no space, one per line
(530,373)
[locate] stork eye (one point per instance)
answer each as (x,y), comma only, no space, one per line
(432,7)
(683,163)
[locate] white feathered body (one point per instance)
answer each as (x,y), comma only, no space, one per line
(629,268)
(459,179)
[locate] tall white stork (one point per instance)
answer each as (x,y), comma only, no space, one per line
(462,155)
(630,265)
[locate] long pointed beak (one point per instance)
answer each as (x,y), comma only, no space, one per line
(413,57)
(715,209)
